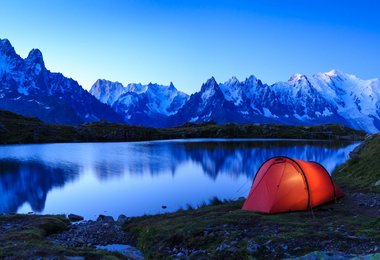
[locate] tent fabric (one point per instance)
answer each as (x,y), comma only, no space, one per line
(283,184)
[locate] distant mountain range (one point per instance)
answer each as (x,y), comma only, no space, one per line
(148,105)
(331,97)
(28,88)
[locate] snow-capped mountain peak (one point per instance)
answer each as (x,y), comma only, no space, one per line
(232,81)
(35,61)
(140,104)
(35,55)
(210,83)
(6,47)
(296,77)
(251,80)
(28,88)
(209,89)
(107,91)
(137,88)
(335,73)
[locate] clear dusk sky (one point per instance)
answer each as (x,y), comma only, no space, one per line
(188,41)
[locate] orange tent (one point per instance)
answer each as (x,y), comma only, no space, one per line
(283,184)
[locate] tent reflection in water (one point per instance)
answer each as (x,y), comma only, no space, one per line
(283,184)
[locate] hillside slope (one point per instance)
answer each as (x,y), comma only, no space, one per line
(362,171)
(19,129)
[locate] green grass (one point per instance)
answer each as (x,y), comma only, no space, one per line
(361,172)
(302,232)
(26,237)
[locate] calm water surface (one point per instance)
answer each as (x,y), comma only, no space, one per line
(140,177)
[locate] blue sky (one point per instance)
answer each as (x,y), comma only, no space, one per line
(188,41)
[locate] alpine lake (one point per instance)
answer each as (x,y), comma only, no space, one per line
(138,178)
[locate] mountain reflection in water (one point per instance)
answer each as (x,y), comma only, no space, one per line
(30,181)
(76,173)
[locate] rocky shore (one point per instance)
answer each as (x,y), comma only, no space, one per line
(104,233)
(348,228)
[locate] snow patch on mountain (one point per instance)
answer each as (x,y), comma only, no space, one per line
(268,113)
(232,91)
(325,112)
(106,91)
(4,66)
(137,88)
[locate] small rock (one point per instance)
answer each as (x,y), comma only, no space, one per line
(181,254)
(122,218)
(325,243)
(106,225)
(7,226)
(74,218)
(74,258)
(222,247)
(198,252)
(377,183)
(284,246)
(252,248)
(126,250)
(105,218)
(327,255)
(268,242)
(232,249)
(353,154)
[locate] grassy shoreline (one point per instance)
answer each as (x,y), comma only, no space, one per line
(226,231)
(362,172)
